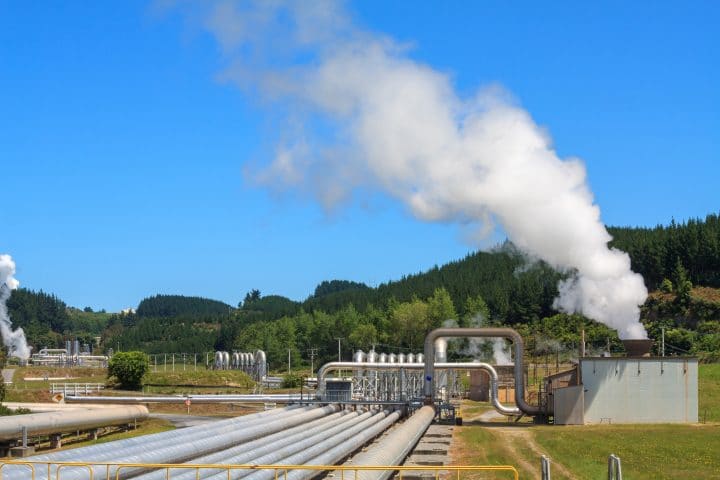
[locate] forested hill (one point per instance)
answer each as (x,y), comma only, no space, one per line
(656,252)
(174,305)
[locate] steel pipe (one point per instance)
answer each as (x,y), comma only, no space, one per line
(249,398)
(508,333)
(494,397)
(394,447)
(69,420)
(248,452)
(139,449)
(333,448)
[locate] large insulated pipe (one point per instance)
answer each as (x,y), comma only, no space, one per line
(338,452)
(69,420)
(302,448)
(119,449)
(190,447)
(508,333)
(327,450)
(246,452)
(392,449)
(494,398)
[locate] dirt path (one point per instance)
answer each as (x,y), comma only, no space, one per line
(516,438)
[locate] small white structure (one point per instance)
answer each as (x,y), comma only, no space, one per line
(630,390)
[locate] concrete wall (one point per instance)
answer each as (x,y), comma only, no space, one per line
(640,390)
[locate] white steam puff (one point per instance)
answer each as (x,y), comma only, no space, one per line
(360,112)
(14,340)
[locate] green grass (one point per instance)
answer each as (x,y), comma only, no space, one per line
(709,392)
(646,451)
(483,446)
(199,378)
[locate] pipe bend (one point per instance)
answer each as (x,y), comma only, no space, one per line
(508,333)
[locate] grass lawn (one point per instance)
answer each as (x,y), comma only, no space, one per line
(709,392)
(646,451)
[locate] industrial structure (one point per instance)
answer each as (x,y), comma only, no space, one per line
(254,364)
(72,355)
(355,402)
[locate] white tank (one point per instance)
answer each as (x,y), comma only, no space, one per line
(359,356)
(383,358)
(218,360)
(235,360)
(392,358)
(420,358)
(410,358)
(225,360)
(371,356)
(401,358)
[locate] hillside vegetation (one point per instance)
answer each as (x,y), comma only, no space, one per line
(681,262)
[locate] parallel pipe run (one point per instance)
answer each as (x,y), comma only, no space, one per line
(248,452)
(70,420)
(392,449)
(170,446)
(494,398)
(507,333)
(332,450)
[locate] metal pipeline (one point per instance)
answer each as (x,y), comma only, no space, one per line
(494,398)
(144,448)
(392,449)
(247,452)
(69,420)
(343,450)
(249,398)
(331,449)
(508,333)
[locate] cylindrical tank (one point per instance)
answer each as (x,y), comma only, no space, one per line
(383,358)
(235,360)
(410,358)
(76,347)
(392,358)
(218,360)
(359,356)
(225,360)
(371,356)
(401,358)
(420,358)
(260,364)
(440,350)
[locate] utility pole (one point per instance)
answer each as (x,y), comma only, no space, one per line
(662,341)
(339,339)
(288,361)
(313,352)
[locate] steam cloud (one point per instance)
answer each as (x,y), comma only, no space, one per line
(361,113)
(14,340)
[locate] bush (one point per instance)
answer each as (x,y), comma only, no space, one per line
(128,368)
(291,380)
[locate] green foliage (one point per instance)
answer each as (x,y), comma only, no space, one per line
(175,305)
(666,286)
(291,380)
(334,286)
(128,368)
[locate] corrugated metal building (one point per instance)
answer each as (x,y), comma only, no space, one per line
(629,390)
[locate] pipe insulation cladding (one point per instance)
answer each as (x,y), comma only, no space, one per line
(249,398)
(508,333)
(69,420)
(344,449)
(392,449)
(174,446)
(247,452)
(327,451)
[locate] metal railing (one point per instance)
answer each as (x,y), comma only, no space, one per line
(115,471)
(76,388)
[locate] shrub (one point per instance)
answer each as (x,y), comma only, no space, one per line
(128,368)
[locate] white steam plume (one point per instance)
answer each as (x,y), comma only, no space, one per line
(14,340)
(361,113)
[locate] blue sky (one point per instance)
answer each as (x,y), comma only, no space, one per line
(122,154)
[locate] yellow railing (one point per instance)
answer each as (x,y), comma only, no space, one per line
(116,471)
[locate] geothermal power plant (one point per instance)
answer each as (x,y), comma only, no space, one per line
(369,412)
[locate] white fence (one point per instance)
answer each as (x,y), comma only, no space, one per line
(76,388)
